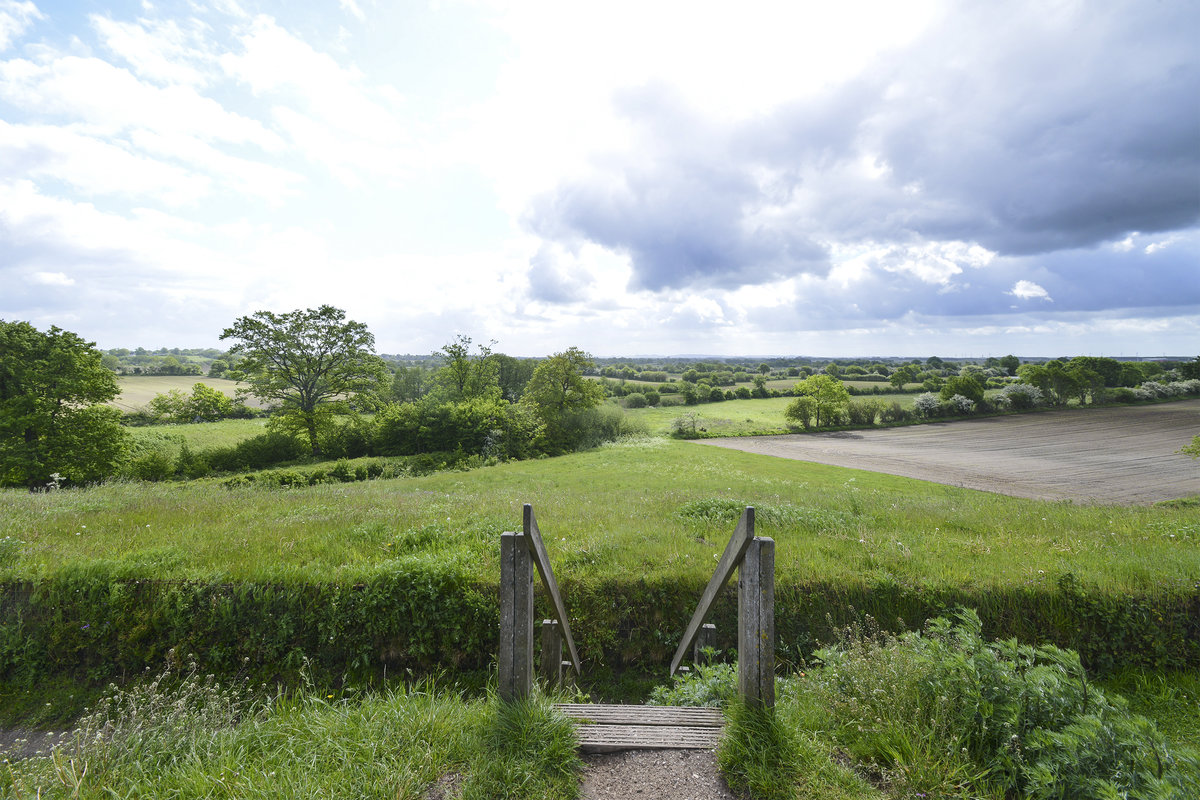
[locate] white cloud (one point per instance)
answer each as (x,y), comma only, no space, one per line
(15,19)
(113,100)
(1028,290)
(93,166)
(53,279)
(330,111)
(162,51)
(351,7)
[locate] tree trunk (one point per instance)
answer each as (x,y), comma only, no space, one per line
(311,419)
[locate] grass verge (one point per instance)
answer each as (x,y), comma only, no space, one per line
(192,737)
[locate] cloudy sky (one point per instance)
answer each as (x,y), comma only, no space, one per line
(818,178)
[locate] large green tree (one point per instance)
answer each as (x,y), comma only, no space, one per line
(311,363)
(51,420)
(830,396)
(559,392)
(465,375)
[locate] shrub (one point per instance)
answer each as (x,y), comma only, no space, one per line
(1021,396)
(927,405)
(684,427)
(270,448)
(864,412)
(961,405)
(964,386)
(1023,718)
(1120,394)
(191,465)
(894,412)
(800,411)
(153,465)
(636,400)
(652,397)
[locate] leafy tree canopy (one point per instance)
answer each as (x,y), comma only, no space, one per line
(830,396)
(558,384)
(465,375)
(966,385)
(559,393)
(311,362)
(51,385)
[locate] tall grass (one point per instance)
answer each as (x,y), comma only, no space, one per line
(652,509)
(173,738)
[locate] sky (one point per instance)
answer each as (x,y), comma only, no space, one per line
(960,179)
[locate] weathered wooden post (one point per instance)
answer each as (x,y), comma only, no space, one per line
(551,663)
(756,624)
(516,618)
(705,640)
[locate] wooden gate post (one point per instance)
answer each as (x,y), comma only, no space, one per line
(516,618)
(756,624)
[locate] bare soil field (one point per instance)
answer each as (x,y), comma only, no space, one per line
(1104,455)
(138,390)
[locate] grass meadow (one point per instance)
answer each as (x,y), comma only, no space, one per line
(646,512)
(650,507)
(200,436)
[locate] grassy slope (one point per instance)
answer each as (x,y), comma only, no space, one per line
(611,512)
(138,390)
(225,433)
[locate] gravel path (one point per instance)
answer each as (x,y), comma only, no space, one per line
(653,775)
(1103,455)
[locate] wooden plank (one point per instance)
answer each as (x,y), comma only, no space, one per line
(611,738)
(533,538)
(756,625)
(515,658)
(705,640)
(676,716)
(742,536)
(551,660)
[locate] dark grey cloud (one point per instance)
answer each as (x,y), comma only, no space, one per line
(1038,133)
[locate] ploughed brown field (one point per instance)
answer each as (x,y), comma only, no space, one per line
(1103,455)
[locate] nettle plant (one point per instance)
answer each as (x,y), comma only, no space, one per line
(931,708)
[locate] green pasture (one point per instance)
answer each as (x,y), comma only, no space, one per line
(727,418)
(755,417)
(202,435)
(652,507)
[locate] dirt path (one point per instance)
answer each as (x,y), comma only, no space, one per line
(1103,455)
(653,775)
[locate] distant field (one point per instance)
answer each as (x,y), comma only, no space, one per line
(728,418)
(137,390)
(1102,455)
(758,417)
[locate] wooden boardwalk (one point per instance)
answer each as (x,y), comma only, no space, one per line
(607,728)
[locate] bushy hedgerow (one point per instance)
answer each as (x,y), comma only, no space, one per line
(98,622)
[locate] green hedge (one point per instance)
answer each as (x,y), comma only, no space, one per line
(100,623)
